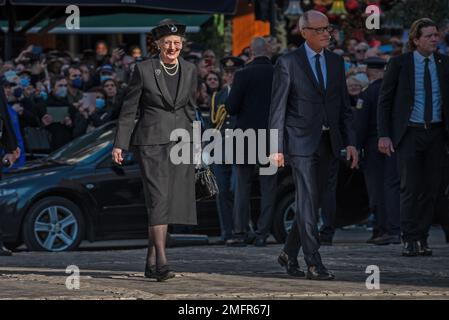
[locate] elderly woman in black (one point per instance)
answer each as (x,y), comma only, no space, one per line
(163,90)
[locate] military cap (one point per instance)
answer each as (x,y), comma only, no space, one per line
(231,63)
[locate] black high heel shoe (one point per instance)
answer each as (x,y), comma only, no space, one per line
(150,271)
(164,273)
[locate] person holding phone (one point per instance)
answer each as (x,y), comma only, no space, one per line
(8,142)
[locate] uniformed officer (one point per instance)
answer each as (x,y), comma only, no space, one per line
(380,171)
(221,120)
(8,144)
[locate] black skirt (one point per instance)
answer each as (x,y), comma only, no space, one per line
(169,188)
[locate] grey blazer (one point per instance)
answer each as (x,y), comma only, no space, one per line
(159,113)
(299,107)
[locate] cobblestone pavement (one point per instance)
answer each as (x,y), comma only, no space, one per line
(219,272)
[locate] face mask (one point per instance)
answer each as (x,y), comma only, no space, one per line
(18,92)
(24,82)
(61,92)
(348,65)
(104,78)
(10,74)
(100,103)
(77,83)
(43,95)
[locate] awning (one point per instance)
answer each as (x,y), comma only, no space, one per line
(187,6)
(118,23)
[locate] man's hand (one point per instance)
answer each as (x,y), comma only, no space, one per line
(9,159)
(277,159)
(17,153)
(385,146)
(353,155)
(117,155)
(17,108)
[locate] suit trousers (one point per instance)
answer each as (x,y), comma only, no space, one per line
(420,158)
(382,182)
(244,175)
(310,174)
(329,203)
(225,175)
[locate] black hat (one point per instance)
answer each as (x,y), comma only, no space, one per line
(231,63)
(375,63)
(168,27)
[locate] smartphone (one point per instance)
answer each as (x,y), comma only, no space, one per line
(36,50)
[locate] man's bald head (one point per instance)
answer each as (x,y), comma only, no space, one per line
(314,27)
(259,47)
(312,17)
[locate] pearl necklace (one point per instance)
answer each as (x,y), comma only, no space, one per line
(170,68)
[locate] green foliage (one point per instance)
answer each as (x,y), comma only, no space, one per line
(212,35)
(407,11)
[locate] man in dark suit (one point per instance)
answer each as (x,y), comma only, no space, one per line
(380,171)
(413,118)
(249,100)
(310,109)
(8,143)
(225,173)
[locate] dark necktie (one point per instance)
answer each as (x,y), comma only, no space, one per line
(321,83)
(319,72)
(428,90)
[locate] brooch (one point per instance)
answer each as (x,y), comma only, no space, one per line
(157,71)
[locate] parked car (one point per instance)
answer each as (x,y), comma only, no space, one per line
(78,193)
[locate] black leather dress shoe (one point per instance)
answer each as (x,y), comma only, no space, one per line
(260,242)
(319,273)
(164,273)
(423,248)
(4,252)
(290,265)
(150,271)
(410,249)
(386,239)
(236,242)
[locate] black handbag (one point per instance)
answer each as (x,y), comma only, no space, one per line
(205,183)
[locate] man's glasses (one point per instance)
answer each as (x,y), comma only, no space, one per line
(320,30)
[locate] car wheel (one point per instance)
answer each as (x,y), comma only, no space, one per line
(53,224)
(283,217)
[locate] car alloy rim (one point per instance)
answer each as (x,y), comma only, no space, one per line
(56,228)
(289,215)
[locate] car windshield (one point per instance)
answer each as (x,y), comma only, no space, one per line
(86,147)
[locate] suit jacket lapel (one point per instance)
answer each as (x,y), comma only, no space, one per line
(160,80)
(439,64)
(307,68)
(183,81)
(410,64)
(331,70)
